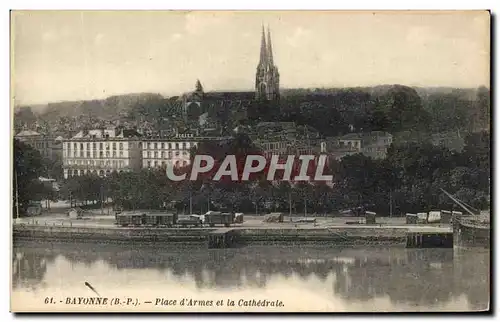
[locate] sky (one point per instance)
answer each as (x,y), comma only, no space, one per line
(73,55)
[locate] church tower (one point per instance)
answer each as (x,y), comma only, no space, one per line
(192,102)
(267,80)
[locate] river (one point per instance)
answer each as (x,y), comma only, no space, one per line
(299,278)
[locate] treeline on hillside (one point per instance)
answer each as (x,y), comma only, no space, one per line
(133,107)
(392,108)
(412,177)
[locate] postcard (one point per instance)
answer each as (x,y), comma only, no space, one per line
(250,161)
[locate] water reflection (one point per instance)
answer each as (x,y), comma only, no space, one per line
(425,278)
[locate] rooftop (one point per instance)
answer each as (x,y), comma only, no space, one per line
(27,133)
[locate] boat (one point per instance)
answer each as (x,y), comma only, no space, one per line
(472,228)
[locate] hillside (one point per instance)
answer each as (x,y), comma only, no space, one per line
(106,108)
(329,109)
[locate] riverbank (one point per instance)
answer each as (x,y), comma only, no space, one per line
(348,235)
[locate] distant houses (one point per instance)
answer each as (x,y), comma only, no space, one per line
(49,146)
(371,144)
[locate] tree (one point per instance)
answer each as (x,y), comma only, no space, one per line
(481,117)
(27,168)
(401,108)
(449,111)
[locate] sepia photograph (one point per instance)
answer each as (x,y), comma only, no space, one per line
(250,161)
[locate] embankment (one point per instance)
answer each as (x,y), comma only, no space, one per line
(337,236)
(348,236)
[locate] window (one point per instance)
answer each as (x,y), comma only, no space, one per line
(183,145)
(88,154)
(169,154)
(156,145)
(156,155)
(81,146)
(114,154)
(100,146)
(107,146)
(68,146)
(149,154)
(81,154)
(75,146)
(107,154)
(162,154)
(170,146)
(88,146)
(120,146)
(149,164)
(156,164)
(121,154)
(100,154)
(177,146)
(163,145)
(93,146)
(114,145)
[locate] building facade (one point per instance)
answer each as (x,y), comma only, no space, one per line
(285,138)
(376,144)
(102,152)
(160,152)
(267,78)
(49,147)
(371,144)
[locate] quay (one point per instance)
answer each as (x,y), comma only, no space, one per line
(222,238)
(429,237)
(335,234)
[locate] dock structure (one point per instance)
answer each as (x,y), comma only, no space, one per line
(429,238)
(222,238)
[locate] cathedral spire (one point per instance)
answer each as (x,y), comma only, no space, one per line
(198,86)
(267,79)
(269,47)
(263,49)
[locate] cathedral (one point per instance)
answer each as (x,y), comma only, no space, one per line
(222,105)
(267,80)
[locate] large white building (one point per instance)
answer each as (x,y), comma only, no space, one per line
(102,152)
(174,150)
